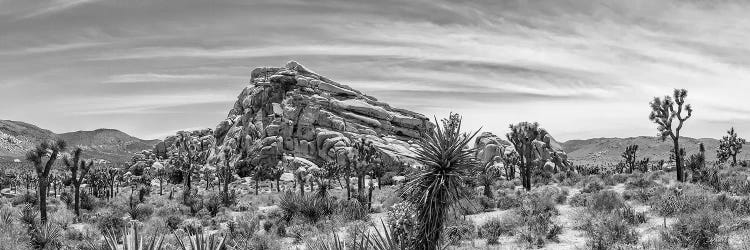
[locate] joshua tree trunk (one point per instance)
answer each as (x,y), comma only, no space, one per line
(226,192)
(488,189)
(161,186)
(77,200)
(257,186)
(278,187)
(678,160)
(43,199)
(348,188)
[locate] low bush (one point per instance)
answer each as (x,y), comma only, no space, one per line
(300,231)
(487,203)
(402,221)
(682,199)
(111,223)
(579,199)
(698,230)
(173,222)
(536,213)
(592,184)
(213,203)
(26,198)
(458,230)
(507,201)
(605,201)
(496,227)
(605,231)
(352,210)
(141,212)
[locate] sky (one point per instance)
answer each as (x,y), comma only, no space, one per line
(581,68)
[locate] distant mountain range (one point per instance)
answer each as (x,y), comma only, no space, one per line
(608,150)
(16,138)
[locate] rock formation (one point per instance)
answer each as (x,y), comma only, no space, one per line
(493,149)
(291,111)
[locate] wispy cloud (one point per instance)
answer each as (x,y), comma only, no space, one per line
(56,6)
(569,64)
(155,77)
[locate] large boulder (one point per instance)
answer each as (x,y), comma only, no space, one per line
(294,112)
(494,149)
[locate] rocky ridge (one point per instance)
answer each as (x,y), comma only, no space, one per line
(294,112)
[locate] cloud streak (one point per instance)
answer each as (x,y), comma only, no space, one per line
(569,64)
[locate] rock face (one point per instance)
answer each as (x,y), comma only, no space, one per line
(493,149)
(295,112)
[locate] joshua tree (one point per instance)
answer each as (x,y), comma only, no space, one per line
(697,162)
(365,158)
(435,188)
(629,156)
(523,135)
(49,150)
(730,146)
(225,175)
(78,169)
(663,113)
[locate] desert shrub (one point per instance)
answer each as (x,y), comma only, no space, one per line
(194,204)
(681,199)
(496,227)
(457,230)
(487,203)
(738,206)
(469,206)
(611,229)
(402,221)
(111,223)
(29,215)
(7,213)
(141,212)
(579,199)
(261,242)
(697,230)
(620,178)
(267,225)
(300,231)
(173,222)
(592,184)
(87,201)
(606,200)
(213,203)
(353,210)
(639,181)
(506,184)
(26,198)
(387,179)
(536,213)
(630,216)
(567,178)
(507,201)
(46,236)
(243,226)
(170,208)
(734,182)
(641,195)
(62,217)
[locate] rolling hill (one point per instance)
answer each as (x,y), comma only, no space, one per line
(108,144)
(608,150)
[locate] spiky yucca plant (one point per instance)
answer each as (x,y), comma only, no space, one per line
(447,160)
(200,242)
(132,240)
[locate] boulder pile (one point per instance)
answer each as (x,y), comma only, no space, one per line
(292,111)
